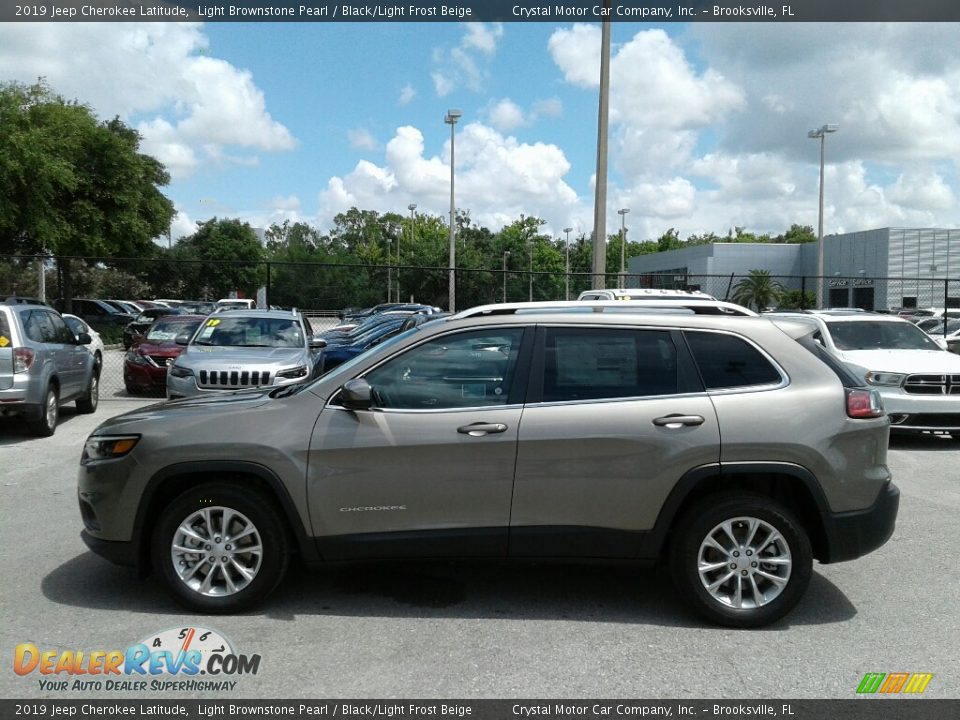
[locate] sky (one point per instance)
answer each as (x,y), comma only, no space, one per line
(708,121)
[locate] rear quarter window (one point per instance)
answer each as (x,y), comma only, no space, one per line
(726,361)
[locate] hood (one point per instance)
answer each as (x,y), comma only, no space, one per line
(167,347)
(175,411)
(202,355)
(904,361)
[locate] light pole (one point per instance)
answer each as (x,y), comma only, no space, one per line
(506,254)
(530,280)
(451,119)
(411,207)
(821,134)
(567,283)
(622,212)
(389,267)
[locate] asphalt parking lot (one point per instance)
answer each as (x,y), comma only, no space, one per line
(443,630)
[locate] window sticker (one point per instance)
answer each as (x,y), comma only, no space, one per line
(213,322)
(4,341)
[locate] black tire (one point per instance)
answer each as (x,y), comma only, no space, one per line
(88,403)
(709,514)
(258,509)
(45,425)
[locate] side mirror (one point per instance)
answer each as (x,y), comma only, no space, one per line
(357,394)
(182,339)
(84,339)
(317,343)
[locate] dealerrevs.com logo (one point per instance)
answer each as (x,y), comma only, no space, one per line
(180,659)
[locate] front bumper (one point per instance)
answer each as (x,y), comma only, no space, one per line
(854,534)
(909,411)
(119,553)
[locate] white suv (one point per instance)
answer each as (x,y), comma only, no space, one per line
(918,380)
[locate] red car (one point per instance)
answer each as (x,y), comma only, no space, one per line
(145,366)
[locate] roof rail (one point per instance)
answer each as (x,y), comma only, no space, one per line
(21,300)
(698,306)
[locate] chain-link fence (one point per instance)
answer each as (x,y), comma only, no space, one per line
(322,290)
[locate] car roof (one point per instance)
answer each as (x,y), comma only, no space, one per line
(841,317)
(684,305)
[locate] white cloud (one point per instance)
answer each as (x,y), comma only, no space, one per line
(407,94)
(505,115)
(550,107)
(460,66)
(361,139)
(152,74)
(498,179)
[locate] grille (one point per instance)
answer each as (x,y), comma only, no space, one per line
(233,378)
(161,360)
(932,384)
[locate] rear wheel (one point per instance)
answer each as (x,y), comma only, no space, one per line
(220,548)
(46,424)
(88,403)
(741,560)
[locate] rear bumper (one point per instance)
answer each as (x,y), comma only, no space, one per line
(854,534)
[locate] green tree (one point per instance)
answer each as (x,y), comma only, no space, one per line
(758,290)
(73,185)
(797,234)
(797,300)
(223,255)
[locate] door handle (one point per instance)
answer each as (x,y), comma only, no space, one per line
(479,429)
(677,420)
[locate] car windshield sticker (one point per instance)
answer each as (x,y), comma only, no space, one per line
(4,341)
(213,323)
(252,335)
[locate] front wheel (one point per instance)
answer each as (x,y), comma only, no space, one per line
(741,560)
(220,548)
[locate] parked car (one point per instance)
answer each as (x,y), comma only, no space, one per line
(918,380)
(43,365)
(139,325)
(198,307)
(334,355)
(100,314)
(736,449)
(340,336)
(95,347)
(146,362)
(237,303)
(237,349)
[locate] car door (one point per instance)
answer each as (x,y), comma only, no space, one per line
(76,356)
(429,469)
(614,418)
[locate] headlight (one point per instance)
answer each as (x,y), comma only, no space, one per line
(107,447)
(180,371)
(137,358)
(885,378)
(296,372)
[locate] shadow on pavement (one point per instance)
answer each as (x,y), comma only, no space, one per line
(443,589)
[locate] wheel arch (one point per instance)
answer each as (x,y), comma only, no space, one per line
(792,485)
(173,480)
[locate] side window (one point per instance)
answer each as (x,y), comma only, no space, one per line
(61,332)
(472,369)
(76,326)
(726,361)
(590,363)
(36,327)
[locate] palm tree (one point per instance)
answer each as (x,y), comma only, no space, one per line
(758,290)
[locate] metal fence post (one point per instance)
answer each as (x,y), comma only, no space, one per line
(803,292)
(266,300)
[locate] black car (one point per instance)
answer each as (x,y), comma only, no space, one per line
(135,329)
(99,314)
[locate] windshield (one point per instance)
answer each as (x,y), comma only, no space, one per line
(872,335)
(251,332)
(164,330)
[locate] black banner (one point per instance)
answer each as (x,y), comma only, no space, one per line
(656,11)
(866,708)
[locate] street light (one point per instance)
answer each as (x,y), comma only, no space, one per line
(451,119)
(411,207)
(567,284)
(506,254)
(390,266)
(622,212)
(821,134)
(530,278)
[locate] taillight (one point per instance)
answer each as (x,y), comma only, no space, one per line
(22,359)
(862,403)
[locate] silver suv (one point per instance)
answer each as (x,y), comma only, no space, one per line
(735,449)
(237,349)
(43,364)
